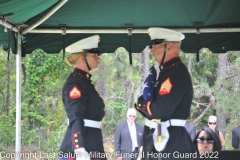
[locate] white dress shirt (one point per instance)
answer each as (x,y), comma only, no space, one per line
(132,130)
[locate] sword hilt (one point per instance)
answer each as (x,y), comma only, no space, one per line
(154,120)
(159,138)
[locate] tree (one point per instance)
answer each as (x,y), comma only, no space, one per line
(203,74)
(222,67)
(118,80)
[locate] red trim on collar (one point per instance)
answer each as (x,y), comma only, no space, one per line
(81,70)
(169,60)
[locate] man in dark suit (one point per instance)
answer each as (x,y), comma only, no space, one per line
(128,137)
(236,138)
(191,129)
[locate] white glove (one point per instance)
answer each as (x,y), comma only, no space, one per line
(81,154)
(156,66)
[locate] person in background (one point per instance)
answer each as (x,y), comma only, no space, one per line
(212,123)
(128,137)
(236,138)
(191,129)
(207,141)
(168,108)
(83,105)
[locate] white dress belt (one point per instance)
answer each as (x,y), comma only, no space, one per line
(91,123)
(171,122)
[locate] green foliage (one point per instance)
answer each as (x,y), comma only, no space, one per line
(43,78)
(43,116)
(115,114)
(7,129)
(226,90)
(54,138)
(121,78)
(206,69)
(204,75)
(39,67)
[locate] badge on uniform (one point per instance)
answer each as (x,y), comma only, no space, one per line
(140,133)
(166,87)
(75,93)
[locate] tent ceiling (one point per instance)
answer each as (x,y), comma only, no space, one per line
(106,14)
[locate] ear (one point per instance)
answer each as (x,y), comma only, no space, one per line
(169,46)
(81,58)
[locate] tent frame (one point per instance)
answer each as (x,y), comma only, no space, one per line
(183,30)
(31,30)
(52,11)
(18,97)
(19,70)
(9,25)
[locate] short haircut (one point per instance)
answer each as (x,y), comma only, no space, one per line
(131,110)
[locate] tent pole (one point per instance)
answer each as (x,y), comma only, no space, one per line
(52,11)
(183,30)
(18,97)
(9,25)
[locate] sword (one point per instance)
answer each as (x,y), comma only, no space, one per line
(159,139)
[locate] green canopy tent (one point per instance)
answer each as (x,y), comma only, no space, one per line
(53,24)
(217,23)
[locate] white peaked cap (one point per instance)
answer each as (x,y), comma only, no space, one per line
(166,34)
(84,44)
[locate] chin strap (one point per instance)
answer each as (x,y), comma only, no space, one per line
(85,59)
(164,54)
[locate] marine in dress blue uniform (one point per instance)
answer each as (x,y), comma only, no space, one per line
(170,104)
(84,108)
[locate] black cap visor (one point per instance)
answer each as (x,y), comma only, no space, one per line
(93,51)
(156,41)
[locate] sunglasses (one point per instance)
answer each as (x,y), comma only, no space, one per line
(208,140)
(212,123)
(132,116)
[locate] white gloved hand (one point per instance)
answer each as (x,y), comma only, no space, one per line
(81,154)
(156,66)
